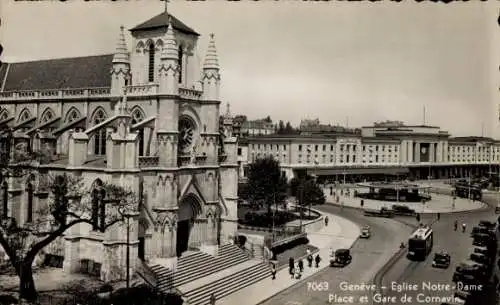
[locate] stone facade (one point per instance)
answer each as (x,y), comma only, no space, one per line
(153,127)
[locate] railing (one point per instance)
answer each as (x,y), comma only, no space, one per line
(136,90)
(146,273)
(54,94)
(148,161)
(190,93)
(139,90)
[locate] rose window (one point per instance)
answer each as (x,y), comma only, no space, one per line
(186,134)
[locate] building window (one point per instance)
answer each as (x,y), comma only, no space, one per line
(137,117)
(284,147)
(315,147)
(331,147)
(341,147)
(324,147)
(100,136)
(151,66)
(364,147)
(98,207)
(29,191)
(353,159)
(181,53)
(239,151)
(5,199)
(354,148)
(376,158)
(300,147)
(347,159)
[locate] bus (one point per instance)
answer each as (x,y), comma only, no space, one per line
(420,244)
(464,190)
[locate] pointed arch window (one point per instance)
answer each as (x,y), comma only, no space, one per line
(138,116)
(181,53)
(98,206)
(29,191)
(100,136)
(47,116)
(4,116)
(5,199)
(151,66)
(73,114)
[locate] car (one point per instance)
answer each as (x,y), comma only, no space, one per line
(340,257)
(488,225)
(481,250)
(365,232)
(441,260)
(469,272)
(480,258)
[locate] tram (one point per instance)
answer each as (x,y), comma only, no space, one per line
(465,189)
(420,244)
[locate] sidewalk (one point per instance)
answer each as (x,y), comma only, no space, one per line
(438,204)
(340,233)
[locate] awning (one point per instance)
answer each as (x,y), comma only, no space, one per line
(358,171)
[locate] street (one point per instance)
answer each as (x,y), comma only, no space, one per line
(456,243)
(368,257)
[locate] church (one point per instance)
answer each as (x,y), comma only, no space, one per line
(145,116)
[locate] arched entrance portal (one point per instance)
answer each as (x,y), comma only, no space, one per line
(189,209)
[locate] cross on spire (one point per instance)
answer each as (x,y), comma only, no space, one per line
(166,6)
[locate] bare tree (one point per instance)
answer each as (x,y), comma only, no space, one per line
(69,203)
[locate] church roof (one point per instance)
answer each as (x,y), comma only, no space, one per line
(61,73)
(161,21)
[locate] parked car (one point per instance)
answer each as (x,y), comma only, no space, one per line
(365,232)
(441,260)
(488,225)
(340,257)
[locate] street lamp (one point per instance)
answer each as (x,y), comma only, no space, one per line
(124,213)
(23,235)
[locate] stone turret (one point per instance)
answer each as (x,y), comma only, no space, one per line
(120,72)
(169,67)
(211,77)
(228,122)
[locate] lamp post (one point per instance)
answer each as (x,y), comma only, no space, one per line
(126,215)
(23,234)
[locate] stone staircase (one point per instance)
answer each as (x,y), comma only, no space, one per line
(228,284)
(197,265)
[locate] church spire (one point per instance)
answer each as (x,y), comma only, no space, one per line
(170,46)
(121,54)
(211,60)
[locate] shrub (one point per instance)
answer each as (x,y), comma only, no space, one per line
(290,245)
(240,240)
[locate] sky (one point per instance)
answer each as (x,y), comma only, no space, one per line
(349,63)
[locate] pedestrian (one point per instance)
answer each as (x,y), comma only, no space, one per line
(212,299)
(309,258)
(464,226)
(298,274)
(292,272)
(291,265)
(455,225)
(438,216)
(273,271)
(301,265)
(318,259)
(326,221)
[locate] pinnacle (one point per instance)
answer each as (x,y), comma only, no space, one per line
(121,54)
(211,60)
(170,46)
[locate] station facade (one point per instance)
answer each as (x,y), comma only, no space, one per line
(373,152)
